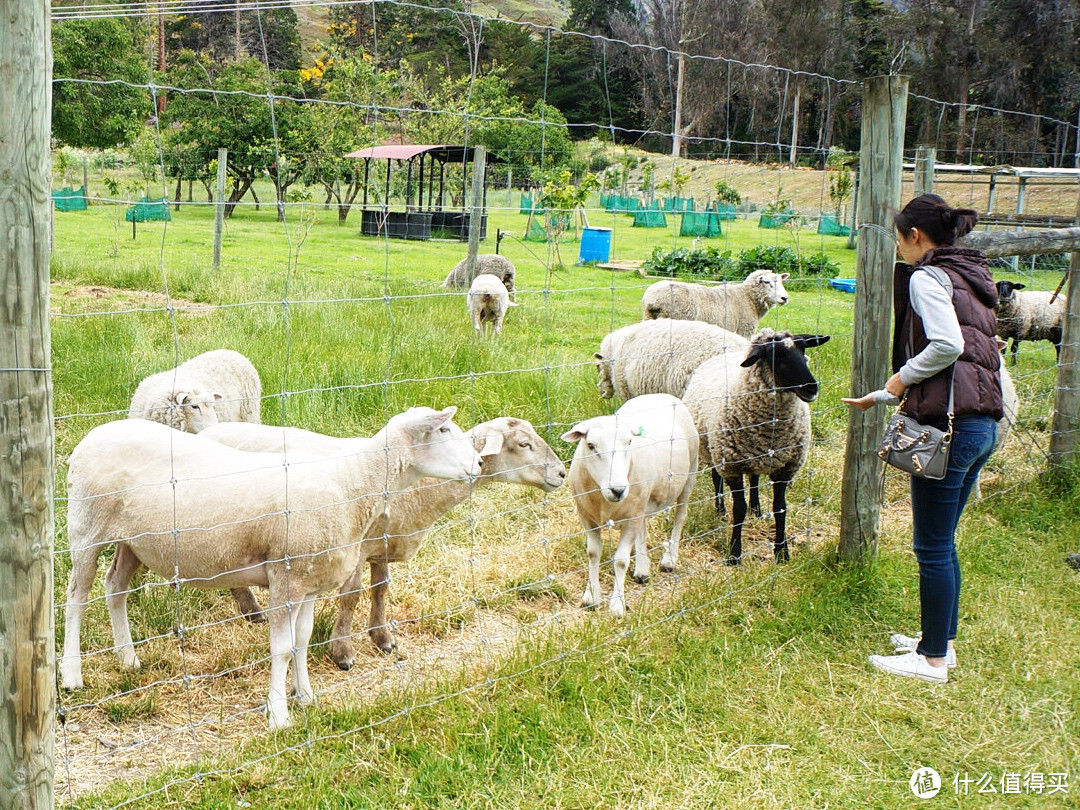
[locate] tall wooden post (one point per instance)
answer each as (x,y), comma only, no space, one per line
(219,204)
(880,167)
(1064,439)
(925,157)
(476,205)
(27,659)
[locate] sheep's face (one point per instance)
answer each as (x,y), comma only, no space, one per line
(194,410)
(604,453)
(782,357)
(772,285)
(603,376)
(440,448)
(1006,292)
(513,452)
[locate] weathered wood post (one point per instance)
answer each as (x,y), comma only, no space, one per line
(219,204)
(476,206)
(27,659)
(925,158)
(1063,439)
(880,169)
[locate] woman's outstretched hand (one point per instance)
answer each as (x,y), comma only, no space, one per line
(864,403)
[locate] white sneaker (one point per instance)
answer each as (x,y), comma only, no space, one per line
(902,643)
(911,665)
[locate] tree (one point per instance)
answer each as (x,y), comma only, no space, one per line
(270,35)
(98,116)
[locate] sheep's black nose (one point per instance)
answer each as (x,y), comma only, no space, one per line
(618,492)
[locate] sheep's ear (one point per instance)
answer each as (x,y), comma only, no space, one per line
(576,433)
(1018,286)
(785,276)
(810,341)
(493,443)
(598,356)
(218,397)
(757,354)
(182,398)
(436,420)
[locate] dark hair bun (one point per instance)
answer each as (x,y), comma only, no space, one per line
(965,220)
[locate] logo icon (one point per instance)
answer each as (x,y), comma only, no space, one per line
(925,783)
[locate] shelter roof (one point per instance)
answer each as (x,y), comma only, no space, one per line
(441,152)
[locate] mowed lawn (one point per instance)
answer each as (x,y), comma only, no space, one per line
(723,687)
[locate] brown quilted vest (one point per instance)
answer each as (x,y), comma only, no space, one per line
(977,377)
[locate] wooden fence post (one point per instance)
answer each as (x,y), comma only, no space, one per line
(1063,438)
(476,205)
(880,169)
(27,640)
(925,158)
(219,204)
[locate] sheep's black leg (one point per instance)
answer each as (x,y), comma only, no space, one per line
(718,488)
(1055,338)
(755,497)
(779,508)
(738,517)
(1014,349)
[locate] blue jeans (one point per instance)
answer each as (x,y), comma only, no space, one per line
(935,512)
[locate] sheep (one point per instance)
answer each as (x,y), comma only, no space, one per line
(750,408)
(513,453)
(627,467)
(487,301)
(1029,316)
(490,263)
(202,514)
(657,357)
(1010,402)
(735,307)
(216,386)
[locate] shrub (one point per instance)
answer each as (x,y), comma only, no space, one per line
(727,193)
(707,263)
(781,259)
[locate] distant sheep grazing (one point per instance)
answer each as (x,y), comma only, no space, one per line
(489,263)
(658,357)
(1029,316)
(750,410)
(487,302)
(735,307)
(636,463)
(216,386)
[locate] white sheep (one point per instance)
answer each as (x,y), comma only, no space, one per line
(1029,316)
(636,463)
(198,513)
(487,301)
(658,357)
(1010,403)
(735,307)
(216,386)
(490,263)
(513,453)
(750,409)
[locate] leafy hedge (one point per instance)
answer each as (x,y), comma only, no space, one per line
(712,263)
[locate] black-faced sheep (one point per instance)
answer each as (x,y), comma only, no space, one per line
(1029,316)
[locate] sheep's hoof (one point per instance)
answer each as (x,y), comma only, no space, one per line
(667,568)
(641,579)
(344,664)
(256,617)
(733,560)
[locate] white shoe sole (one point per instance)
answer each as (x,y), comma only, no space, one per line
(879,662)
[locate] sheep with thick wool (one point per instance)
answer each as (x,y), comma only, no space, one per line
(735,307)
(1029,315)
(202,514)
(750,408)
(487,301)
(512,452)
(631,465)
(490,263)
(216,386)
(658,357)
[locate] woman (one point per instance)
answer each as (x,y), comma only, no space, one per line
(941,336)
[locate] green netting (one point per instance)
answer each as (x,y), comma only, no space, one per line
(149,210)
(618,202)
(830,226)
(537,232)
(527,203)
(607,201)
(676,204)
(778,220)
(650,219)
(70,199)
(725,210)
(703,223)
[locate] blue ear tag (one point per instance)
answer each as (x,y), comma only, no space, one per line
(640,431)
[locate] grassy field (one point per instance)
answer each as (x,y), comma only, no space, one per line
(722,688)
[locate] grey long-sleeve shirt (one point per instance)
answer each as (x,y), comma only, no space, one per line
(933,303)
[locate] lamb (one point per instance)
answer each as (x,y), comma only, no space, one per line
(750,410)
(216,386)
(202,514)
(1029,316)
(658,357)
(490,263)
(512,452)
(735,307)
(638,462)
(487,302)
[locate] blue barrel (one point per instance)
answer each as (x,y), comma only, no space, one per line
(595,245)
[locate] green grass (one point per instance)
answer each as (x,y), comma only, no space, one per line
(736,689)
